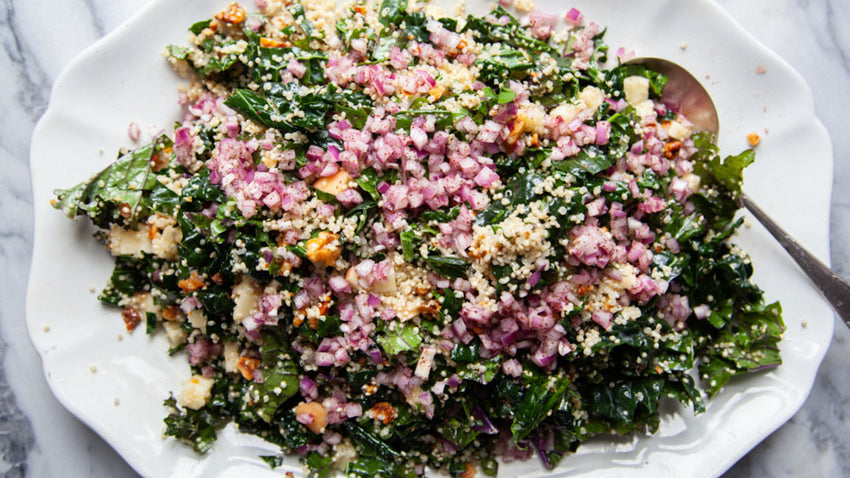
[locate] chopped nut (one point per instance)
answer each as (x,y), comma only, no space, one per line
(384,412)
(160,160)
(323,248)
(232,14)
(246,366)
(131,318)
(125,210)
(170,312)
(191,284)
(269,43)
(672,148)
(516,130)
(754,139)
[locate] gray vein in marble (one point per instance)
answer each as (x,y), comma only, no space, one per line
(831,21)
(96,20)
(16,434)
(31,77)
(29,85)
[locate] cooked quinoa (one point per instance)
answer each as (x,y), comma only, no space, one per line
(389,241)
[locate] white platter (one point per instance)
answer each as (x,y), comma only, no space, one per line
(123,78)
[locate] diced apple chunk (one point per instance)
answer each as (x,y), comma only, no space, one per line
(195,392)
(636,89)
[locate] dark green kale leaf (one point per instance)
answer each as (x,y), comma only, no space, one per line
(288,107)
(489,29)
(589,161)
(376,457)
(356,105)
(450,303)
(462,353)
(440,215)
(280,375)
(407,238)
(447,266)
(194,427)
(519,51)
(563,442)
(519,190)
(198,27)
(150,322)
(327,326)
(368,182)
(267,63)
(728,171)
(128,277)
(444,118)
(178,52)
(721,177)
(367,210)
(463,429)
(682,227)
(392,12)
(412,24)
(622,134)
(215,62)
(303,24)
(114,194)
(273,461)
(617,75)
(628,403)
(404,338)
(199,192)
(541,393)
(482,372)
(293,435)
(750,342)
(161,199)
(501,65)
(320,465)
(368,467)
(203,246)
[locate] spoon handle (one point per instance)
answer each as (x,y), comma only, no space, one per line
(835,289)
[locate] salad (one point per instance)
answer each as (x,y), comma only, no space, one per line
(390,241)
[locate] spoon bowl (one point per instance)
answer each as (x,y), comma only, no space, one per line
(685,94)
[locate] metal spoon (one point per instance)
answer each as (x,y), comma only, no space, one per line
(692,100)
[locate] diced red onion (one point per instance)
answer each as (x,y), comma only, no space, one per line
(574,17)
(702,311)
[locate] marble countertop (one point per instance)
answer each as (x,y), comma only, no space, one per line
(38,437)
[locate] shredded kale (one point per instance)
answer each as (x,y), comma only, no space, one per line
(403,339)
(484,389)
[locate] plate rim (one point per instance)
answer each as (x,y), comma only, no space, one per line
(53,113)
